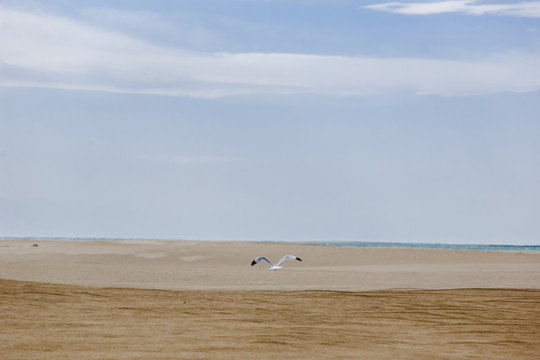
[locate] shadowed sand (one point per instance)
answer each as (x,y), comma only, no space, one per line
(335,304)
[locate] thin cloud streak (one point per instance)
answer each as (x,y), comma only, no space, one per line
(40,50)
(468,7)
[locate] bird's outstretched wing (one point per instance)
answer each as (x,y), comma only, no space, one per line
(288,257)
(260,258)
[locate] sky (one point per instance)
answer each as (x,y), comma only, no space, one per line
(286,120)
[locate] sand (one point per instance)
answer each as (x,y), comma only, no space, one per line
(202,300)
(205,265)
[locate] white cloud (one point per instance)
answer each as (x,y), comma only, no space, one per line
(41,50)
(182,28)
(469,7)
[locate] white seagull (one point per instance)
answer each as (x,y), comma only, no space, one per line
(275,266)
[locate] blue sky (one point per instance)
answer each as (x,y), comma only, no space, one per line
(271,120)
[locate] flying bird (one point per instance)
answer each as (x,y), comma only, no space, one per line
(275,266)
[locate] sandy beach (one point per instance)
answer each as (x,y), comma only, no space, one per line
(208,265)
(203,300)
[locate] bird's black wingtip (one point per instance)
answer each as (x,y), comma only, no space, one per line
(298,259)
(253,263)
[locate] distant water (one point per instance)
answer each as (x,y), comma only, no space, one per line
(479,247)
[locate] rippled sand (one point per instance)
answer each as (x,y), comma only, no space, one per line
(48,321)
